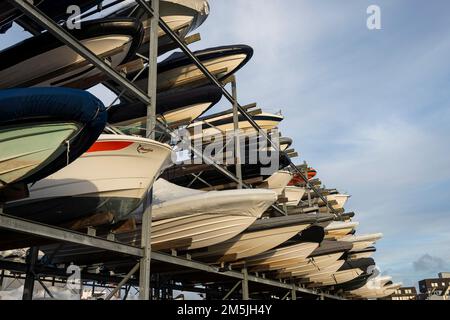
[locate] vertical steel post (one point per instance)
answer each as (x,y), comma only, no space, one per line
(2,276)
(144,277)
(152,69)
(28,287)
(245,292)
(237,136)
(294,293)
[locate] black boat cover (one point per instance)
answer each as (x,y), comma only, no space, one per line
(34,105)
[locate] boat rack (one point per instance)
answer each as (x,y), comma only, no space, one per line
(218,280)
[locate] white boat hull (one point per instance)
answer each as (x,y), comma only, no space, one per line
(112,177)
(191,75)
(310,266)
(249,244)
(280,258)
(52,68)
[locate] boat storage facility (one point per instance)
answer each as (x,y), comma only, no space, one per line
(158,195)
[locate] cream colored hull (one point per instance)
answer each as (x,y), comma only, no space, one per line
(190,74)
(339,277)
(281,258)
(249,244)
(337,234)
(310,266)
(245,128)
(323,274)
(62,57)
(278,181)
(294,195)
(198,231)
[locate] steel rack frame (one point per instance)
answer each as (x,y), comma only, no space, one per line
(144,255)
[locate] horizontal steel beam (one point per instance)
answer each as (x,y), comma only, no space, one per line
(232,274)
(58,234)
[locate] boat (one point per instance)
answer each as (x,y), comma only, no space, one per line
(364,241)
(197,219)
(172,107)
(261,236)
(179,71)
(328,253)
(181,16)
(350,270)
(224,124)
(297,180)
(183,219)
(57,10)
(286,255)
(43,130)
(294,195)
(43,61)
(278,181)
(101,188)
(338,229)
(377,288)
(364,253)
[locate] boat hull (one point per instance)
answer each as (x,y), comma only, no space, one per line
(309,266)
(111,178)
(280,258)
(249,244)
(61,66)
(26,148)
(294,195)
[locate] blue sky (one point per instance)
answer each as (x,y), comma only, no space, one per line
(368,109)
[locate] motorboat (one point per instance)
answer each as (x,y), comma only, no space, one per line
(338,229)
(181,16)
(43,61)
(184,219)
(224,124)
(339,199)
(286,255)
(178,71)
(102,187)
(55,10)
(351,269)
(294,195)
(261,236)
(377,288)
(278,181)
(172,107)
(297,180)
(199,219)
(43,130)
(364,253)
(363,241)
(328,253)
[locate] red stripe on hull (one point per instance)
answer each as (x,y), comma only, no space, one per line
(109,146)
